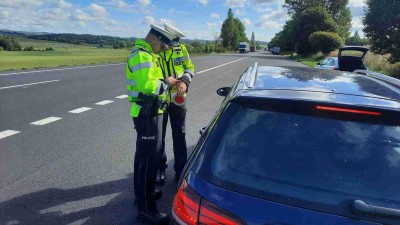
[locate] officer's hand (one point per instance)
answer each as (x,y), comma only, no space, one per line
(172,80)
(181,88)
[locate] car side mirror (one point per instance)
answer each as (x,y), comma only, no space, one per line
(224,91)
(202,130)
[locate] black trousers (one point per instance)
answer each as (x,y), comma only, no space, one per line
(177,116)
(147,160)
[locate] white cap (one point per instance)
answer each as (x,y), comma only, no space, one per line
(173,30)
(161,33)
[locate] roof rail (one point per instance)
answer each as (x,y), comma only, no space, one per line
(252,76)
(385,78)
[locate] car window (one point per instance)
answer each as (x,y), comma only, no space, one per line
(323,63)
(303,160)
(352,53)
(331,62)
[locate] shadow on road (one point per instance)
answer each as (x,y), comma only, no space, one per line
(28,209)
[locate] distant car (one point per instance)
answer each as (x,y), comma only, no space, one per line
(297,146)
(351,58)
(330,63)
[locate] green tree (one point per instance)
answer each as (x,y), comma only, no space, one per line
(325,42)
(10,44)
(356,40)
(382,27)
(240,33)
(312,20)
(338,10)
(253,41)
(228,30)
(232,32)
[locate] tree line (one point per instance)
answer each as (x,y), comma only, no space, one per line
(99,40)
(324,25)
(314,25)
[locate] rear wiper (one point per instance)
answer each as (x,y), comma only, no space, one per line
(361,208)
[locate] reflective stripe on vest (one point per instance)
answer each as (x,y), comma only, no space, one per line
(131,82)
(133,94)
(133,54)
(164,86)
(141,66)
(188,76)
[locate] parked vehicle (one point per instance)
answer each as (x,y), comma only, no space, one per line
(253,48)
(351,58)
(276,50)
(330,63)
(297,146)
(244,47)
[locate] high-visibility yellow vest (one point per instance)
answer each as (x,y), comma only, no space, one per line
(176,62)
(144,76)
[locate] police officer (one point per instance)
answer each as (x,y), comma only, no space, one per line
(147,90)
(176,62)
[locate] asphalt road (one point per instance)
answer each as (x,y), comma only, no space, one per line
(63,167)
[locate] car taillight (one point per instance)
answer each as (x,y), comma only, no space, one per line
(337,109)
(190,209)
(185,208)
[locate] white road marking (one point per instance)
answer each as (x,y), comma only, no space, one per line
(105,102)
(46,121)
(122,96)
(80,110)
(22,85)
(203,71)
(7,133)
(71,68)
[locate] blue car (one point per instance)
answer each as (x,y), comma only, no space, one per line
(297,146)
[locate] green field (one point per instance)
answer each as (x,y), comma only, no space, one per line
(64,54)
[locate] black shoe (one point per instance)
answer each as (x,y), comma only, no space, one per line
(153,217)
(178,176)
(160,179)
(157,195)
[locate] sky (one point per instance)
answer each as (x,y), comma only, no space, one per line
(198,19)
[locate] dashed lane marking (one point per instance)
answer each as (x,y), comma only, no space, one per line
(8,133)
(203,71)
(30,84)
(122,96)
(46,121)
(80,110)
(105,102)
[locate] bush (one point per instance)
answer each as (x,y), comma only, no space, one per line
(9,44)
(220,50)
(30,48)
(49,49)
(325,41)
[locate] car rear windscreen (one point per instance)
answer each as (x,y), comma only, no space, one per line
(304,159)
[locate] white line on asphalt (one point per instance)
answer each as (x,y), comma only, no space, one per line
(7,133)
(71,68)
(22,85)
(122,96)
(220,66)
(80,110)
(46,121)
(105,102)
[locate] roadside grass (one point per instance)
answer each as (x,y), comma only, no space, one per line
(60,57)
(63,54)
(376,63)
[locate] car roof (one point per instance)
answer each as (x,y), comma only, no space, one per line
(319,85)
